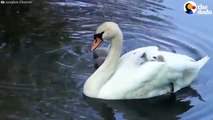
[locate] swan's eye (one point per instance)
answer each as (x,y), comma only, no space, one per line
(96,41)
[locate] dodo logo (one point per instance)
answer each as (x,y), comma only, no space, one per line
(190,7)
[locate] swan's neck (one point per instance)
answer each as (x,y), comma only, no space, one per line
(100,77)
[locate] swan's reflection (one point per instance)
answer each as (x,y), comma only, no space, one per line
(163,107)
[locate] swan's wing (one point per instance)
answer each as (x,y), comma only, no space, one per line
(151,78)
(135,80)
(130,82)
(182,69)
(171,57)
(136,56)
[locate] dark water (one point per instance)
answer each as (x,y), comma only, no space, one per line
(45,58)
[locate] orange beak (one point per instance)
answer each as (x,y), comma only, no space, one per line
(96,43)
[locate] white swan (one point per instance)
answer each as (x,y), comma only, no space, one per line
(137,74)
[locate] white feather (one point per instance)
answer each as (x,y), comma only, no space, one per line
(138,74)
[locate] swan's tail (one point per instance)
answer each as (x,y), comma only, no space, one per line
(202,62)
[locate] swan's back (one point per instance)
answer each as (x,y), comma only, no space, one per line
(133,80)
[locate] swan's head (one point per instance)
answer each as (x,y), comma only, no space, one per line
(106,31)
